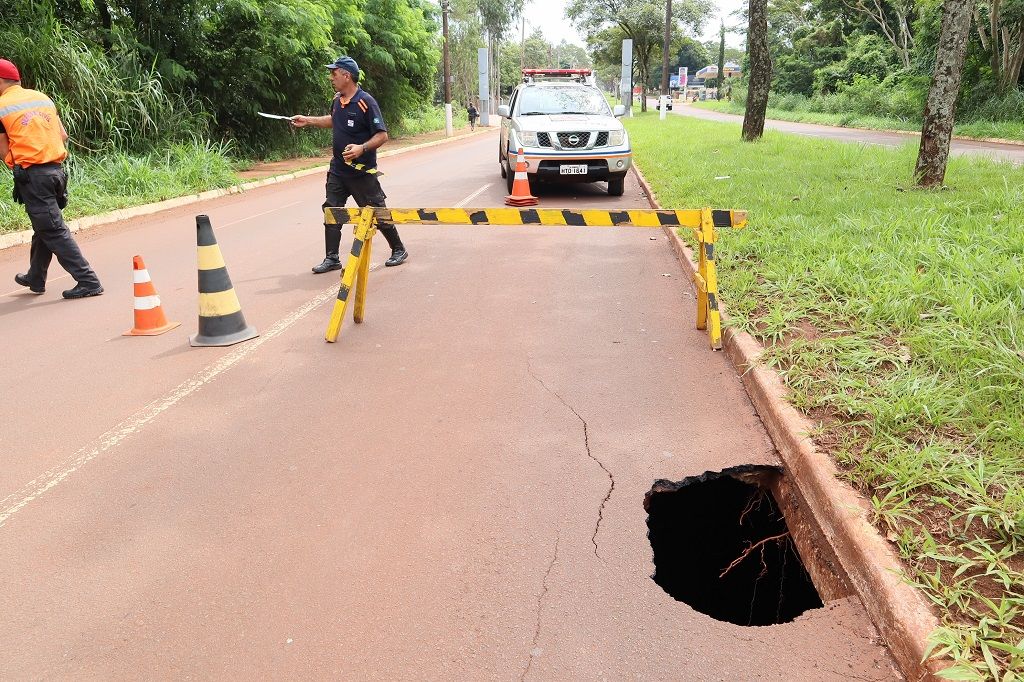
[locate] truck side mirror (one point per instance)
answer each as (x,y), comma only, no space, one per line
(503,111)
(619,110)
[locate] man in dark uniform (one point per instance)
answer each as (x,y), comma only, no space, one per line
(32,144)
(358,131)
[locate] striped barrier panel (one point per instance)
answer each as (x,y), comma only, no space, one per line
(703,222)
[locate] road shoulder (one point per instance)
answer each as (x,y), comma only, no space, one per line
(841,514)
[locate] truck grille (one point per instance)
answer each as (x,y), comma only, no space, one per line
(573,140)
(602,140)
(544,140)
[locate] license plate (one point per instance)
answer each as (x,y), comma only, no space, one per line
(575,169)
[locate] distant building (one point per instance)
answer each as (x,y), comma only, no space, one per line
(711,71)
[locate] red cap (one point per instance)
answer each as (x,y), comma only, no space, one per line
(9,71)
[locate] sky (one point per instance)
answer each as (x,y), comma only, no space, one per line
(549,15)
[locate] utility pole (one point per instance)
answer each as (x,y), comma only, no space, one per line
(522,45)
(445,6)
(664,58)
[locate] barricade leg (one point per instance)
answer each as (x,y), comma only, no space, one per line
(363,229)
(710,277)
(700,280)
(363,276)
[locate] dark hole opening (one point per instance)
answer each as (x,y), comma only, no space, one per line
(721,545)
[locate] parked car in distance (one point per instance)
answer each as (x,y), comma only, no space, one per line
(566,129)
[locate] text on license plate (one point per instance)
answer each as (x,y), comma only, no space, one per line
(574,169)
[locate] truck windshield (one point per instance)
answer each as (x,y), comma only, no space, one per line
(562,100)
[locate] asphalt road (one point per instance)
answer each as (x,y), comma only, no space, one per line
(452,491)
(994,150)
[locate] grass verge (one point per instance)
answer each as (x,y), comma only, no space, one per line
(1003,130)
(97,184)
(895,318)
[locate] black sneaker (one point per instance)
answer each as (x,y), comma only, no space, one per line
(82,291)
(398,256)
(328,265)
(24,281)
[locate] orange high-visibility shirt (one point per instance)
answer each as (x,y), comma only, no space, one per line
(32,127)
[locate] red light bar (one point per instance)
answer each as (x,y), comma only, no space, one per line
(556,72)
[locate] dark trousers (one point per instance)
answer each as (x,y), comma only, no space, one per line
(366,191)
(42,189)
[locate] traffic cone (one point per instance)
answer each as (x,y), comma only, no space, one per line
(521,185)
(221,322)
(149,313)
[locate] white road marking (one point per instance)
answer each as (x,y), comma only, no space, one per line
(472,196)
(37,487)
(233,222)
(257,215)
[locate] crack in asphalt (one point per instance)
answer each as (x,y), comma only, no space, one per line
(540,603)
(586,444)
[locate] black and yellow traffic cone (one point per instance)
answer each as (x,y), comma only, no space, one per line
(221,322)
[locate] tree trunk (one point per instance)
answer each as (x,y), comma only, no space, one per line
(665,47)
(721,63)
(759,81)
(940,109)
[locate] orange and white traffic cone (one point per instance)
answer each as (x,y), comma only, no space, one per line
(149,314)
(521,185)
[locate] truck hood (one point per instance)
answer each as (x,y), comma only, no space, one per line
(568,123)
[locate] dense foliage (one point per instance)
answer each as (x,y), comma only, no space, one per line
(131,75)
(876,56)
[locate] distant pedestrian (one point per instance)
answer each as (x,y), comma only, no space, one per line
(473,114)
(359,131)
(32,144)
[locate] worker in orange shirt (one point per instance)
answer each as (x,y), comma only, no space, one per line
(32,144)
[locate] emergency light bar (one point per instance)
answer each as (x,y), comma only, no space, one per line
(531,75)
(556,72)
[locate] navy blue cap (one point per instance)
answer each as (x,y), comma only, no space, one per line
(348,64)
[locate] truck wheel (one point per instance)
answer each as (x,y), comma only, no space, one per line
(510,176)
(501,163)
(616,186)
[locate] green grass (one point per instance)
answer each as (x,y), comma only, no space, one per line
(894,315)
(1004,130)
(97,184)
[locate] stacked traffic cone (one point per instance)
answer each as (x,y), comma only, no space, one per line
(221,322)
(521,185)
(149,314)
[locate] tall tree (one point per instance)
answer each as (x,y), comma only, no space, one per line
(940,108)
(1001,31)
(760,70)
(640,20)
(665,48)
(720,85)
(894,18)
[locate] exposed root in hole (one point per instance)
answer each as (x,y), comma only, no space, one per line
(722,546)
(760,543)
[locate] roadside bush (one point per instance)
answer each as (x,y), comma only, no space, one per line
(899,97)
(107,100)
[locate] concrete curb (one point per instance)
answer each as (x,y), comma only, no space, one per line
(25,236)
(911,133)
(902,615)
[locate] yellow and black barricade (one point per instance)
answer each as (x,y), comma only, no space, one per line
(703,222)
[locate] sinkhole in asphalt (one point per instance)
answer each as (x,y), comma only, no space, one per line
(721,545)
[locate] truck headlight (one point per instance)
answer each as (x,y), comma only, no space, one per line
(616,137)
(527,138)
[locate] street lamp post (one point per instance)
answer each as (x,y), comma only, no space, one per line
(445,6)
(664,59)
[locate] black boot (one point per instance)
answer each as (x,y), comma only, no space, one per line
(398,252)
(332,241)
